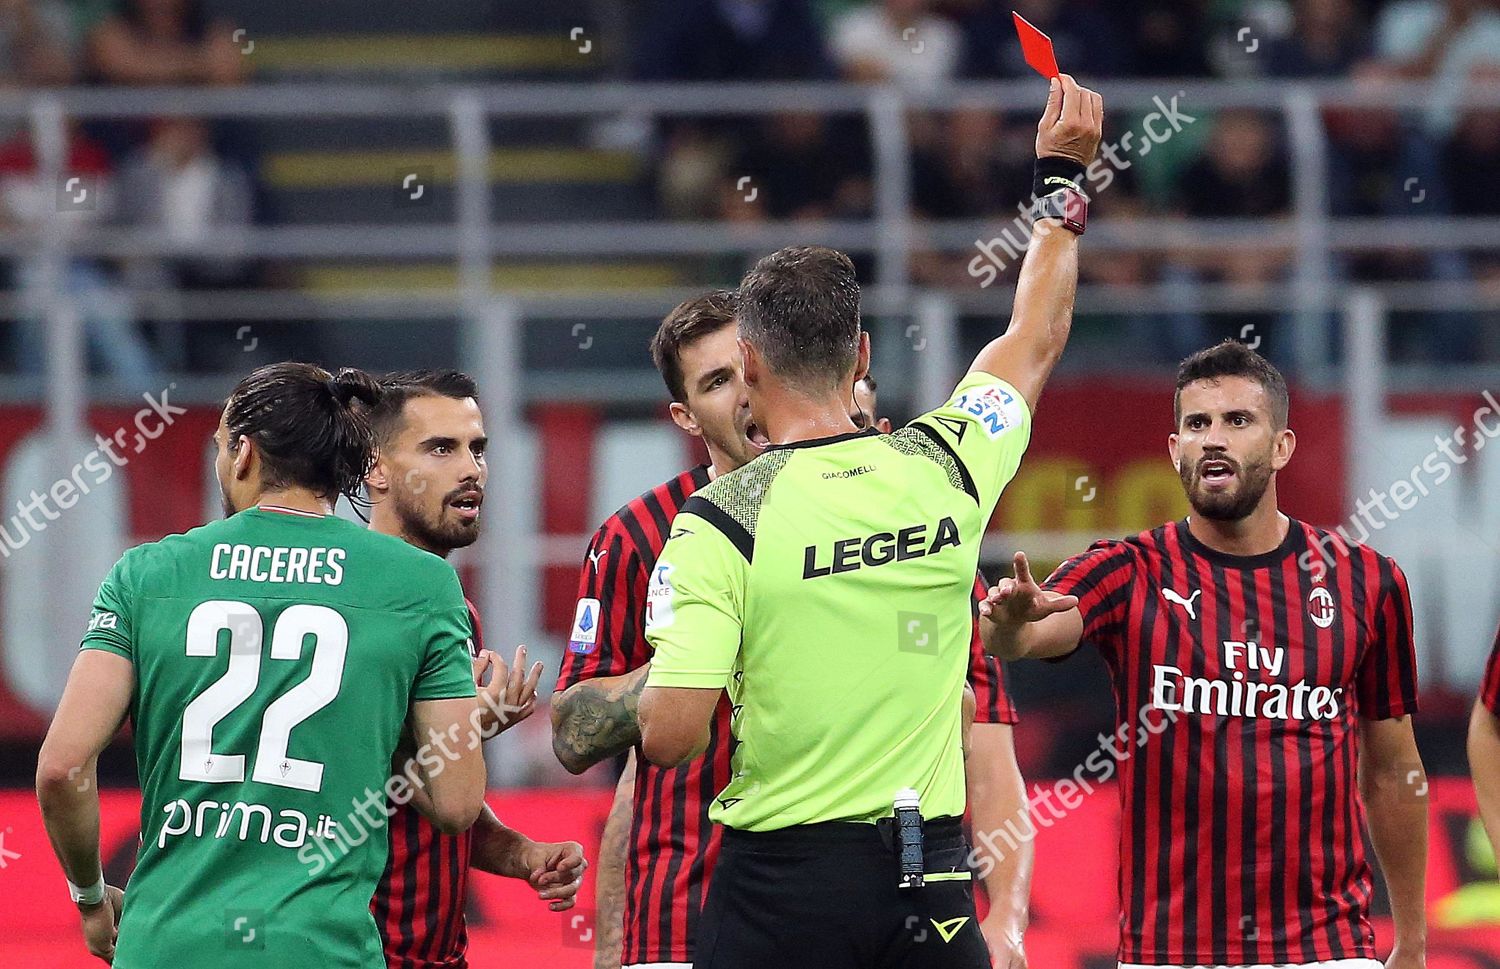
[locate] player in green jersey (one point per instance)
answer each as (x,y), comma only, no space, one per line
(267,663)
(826,583)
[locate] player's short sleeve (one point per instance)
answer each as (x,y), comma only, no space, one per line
(993,702)
(606,637)
(447,672)
(1489,690)
(111,625)
(985,427)
(695,606)
(476,629)
(1387,677)
(1101,578)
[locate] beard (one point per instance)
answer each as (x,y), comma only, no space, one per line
(229,510)
(1254,478)
(431,531)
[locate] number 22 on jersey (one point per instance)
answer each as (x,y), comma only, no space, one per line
(219,700)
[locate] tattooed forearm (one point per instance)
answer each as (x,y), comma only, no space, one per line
(596,719)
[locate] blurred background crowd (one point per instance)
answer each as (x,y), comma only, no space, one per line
(975,163)
(187,177)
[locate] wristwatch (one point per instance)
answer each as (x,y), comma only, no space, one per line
(1069,205)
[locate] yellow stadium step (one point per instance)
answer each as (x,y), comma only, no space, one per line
(307,170)
(543,277)
(387,53)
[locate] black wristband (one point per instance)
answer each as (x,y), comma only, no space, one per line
(1053,173)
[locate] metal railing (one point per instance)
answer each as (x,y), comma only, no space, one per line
(493,322)
(473,240)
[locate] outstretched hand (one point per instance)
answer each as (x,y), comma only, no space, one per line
(511,688)
(1018,600)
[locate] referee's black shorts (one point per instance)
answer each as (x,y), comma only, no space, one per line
(825,895)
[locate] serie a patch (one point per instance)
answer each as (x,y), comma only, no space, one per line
(584,638)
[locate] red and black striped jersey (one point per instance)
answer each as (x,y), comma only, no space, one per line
(419,903)
(673,846)
(1238,681)
(987,673)
(1489,692)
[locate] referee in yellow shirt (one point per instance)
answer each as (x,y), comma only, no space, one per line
(825,584)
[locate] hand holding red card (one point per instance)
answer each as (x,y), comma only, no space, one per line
(1037,47)
(1073,123)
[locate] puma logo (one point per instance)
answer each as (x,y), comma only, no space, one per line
(594,557)
(1186,604)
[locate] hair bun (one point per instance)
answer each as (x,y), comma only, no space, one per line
(351,384)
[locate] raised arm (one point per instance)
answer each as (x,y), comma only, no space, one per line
(1067,139)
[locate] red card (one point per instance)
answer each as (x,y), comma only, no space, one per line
(1037,47)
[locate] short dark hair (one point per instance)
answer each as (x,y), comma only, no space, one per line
(311,427)
(799,307)
(403,385)
(689,321)
(1234,359)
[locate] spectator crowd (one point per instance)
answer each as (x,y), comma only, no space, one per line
(176,179)
(972,163)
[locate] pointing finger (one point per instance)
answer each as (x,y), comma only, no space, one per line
(1023,570)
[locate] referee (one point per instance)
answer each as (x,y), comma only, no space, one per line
(824,584)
